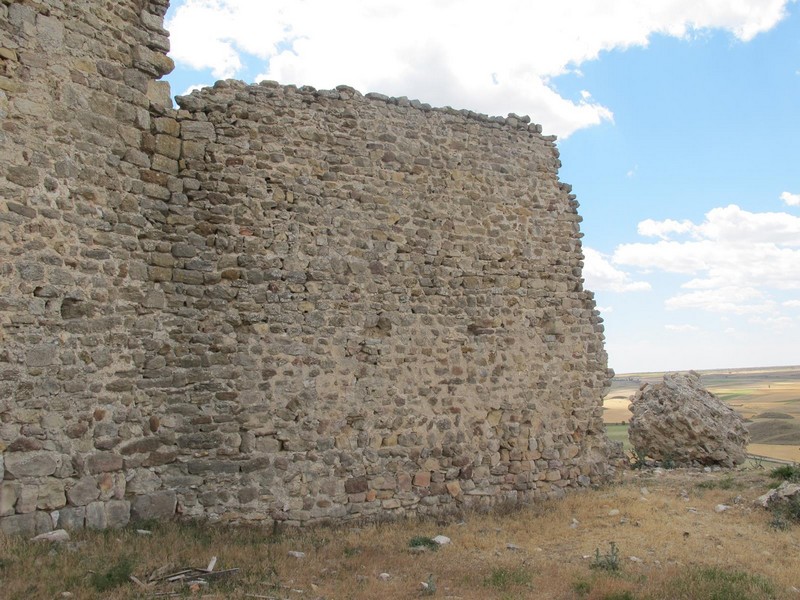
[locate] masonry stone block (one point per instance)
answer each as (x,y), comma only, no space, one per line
(157,505)
(118,513)
(9,492)
(31,464)
(102,462)
(96,517)
(83,491)
(51,494)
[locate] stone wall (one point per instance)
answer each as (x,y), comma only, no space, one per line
(274,304)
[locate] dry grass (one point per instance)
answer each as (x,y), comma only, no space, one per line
(686,549)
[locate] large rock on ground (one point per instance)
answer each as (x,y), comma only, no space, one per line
(679,420)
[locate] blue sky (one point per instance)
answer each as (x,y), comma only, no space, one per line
(678,124)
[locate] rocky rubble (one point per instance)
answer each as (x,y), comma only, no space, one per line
(680,421)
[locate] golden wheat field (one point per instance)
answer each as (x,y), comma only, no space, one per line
(768,398)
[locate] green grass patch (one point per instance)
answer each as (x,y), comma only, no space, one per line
(117,575)
(619,433)
(712,583)
(726,483)
(786,473)
(626,595)
(503,579)
(423,541)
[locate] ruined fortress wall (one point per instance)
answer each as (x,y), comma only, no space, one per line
(274,304)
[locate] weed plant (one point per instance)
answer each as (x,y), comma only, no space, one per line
(607,562)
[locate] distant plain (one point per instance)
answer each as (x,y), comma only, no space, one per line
(768,398)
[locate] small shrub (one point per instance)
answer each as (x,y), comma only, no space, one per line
(785,513)
(668,463)
(117,575)
(502,579)
(430,586)
(606,562)
(626,595)
(582,588)
(423,541)
(779,522)
(638,459)
(787,473)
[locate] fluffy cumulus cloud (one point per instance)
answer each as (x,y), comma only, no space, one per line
(735,261)
(601,276)
(495,58)
(681,328)
(791,199)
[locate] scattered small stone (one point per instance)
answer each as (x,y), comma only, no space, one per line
(738,500)
(296,554)
(144,532)
(574,524)
(59,535)
(635,559)
(513,547)
(442,540)
(644,491)
(721,508)
(613,512)
(784,492)
(384,577)
(692,510)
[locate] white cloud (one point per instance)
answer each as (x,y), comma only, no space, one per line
(791,199)
(681,328)
(662,229)
(446,52)
(601,275)
(779,323)
(735,260)
(730,248)
(605,309)
(792,304)
(192,88)
(729,299)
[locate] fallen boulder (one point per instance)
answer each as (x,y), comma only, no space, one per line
(680,421)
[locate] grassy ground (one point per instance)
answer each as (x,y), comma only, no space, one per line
(648,536)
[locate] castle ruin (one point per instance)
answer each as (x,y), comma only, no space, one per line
(274,304)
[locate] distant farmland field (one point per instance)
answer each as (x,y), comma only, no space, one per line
(768,398)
